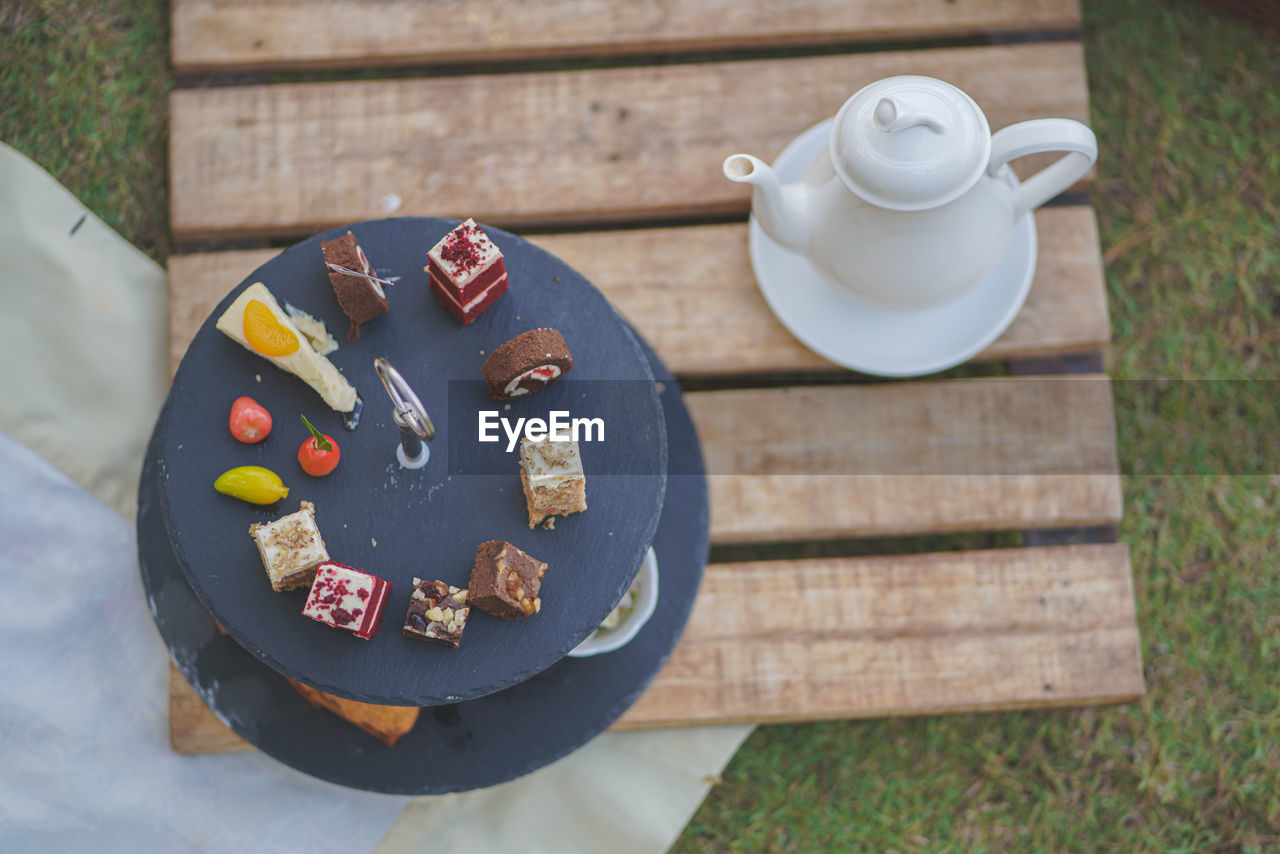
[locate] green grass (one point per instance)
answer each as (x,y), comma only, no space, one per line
(83,88)
(1187,110)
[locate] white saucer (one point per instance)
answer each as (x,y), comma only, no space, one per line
(871,338)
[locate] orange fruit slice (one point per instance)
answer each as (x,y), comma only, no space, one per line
(265,334)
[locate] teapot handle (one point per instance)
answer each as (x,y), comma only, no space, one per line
(1033,137)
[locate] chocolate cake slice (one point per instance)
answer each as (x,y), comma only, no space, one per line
(531,361)
(362,299)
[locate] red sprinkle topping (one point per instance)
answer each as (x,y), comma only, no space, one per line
(460,249)
(336,598)
(332,591)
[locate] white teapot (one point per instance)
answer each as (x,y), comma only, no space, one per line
(913,202)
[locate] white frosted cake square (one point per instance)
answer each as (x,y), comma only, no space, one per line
(553,480)
(291,548)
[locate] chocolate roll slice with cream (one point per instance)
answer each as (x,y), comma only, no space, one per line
(354,283)
(530,361)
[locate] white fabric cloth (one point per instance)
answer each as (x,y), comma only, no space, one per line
(84,756)
(83,335)
(85,763)
(623,793)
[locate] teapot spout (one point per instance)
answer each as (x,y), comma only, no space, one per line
(781,211)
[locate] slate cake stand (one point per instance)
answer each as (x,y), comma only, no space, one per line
(456,746)
(397,523)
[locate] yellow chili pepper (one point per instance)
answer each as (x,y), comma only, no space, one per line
(253,484)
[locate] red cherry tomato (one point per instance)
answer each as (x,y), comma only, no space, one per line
(318,455)
(249,421)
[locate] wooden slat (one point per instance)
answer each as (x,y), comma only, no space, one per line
(692,294)
(762,508)
(907,458)
(864,637)
(603,145)
(808,640)
(889,459)
(1038,425)
(700,307)
(896,458)
(237,35)
(192,727)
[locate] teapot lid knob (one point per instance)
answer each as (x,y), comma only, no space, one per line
(910,143)
(890,115)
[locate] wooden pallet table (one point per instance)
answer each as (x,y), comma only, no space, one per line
(597,128)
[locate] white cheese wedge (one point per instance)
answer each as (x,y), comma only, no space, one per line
(305,363)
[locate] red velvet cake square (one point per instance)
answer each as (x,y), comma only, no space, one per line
(466,271)
(347,598)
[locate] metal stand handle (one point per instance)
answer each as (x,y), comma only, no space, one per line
(409,415)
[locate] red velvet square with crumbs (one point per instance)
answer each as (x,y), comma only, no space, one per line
(466,271)
(347,598)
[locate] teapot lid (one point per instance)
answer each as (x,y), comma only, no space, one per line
(910,143)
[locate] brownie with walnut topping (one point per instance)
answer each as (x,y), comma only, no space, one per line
(505,581)
(437,612)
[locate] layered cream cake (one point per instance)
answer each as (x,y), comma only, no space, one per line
(291,548)
(466,271)
(553,480)
(256,321)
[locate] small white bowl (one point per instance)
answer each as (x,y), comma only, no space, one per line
(607,640)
